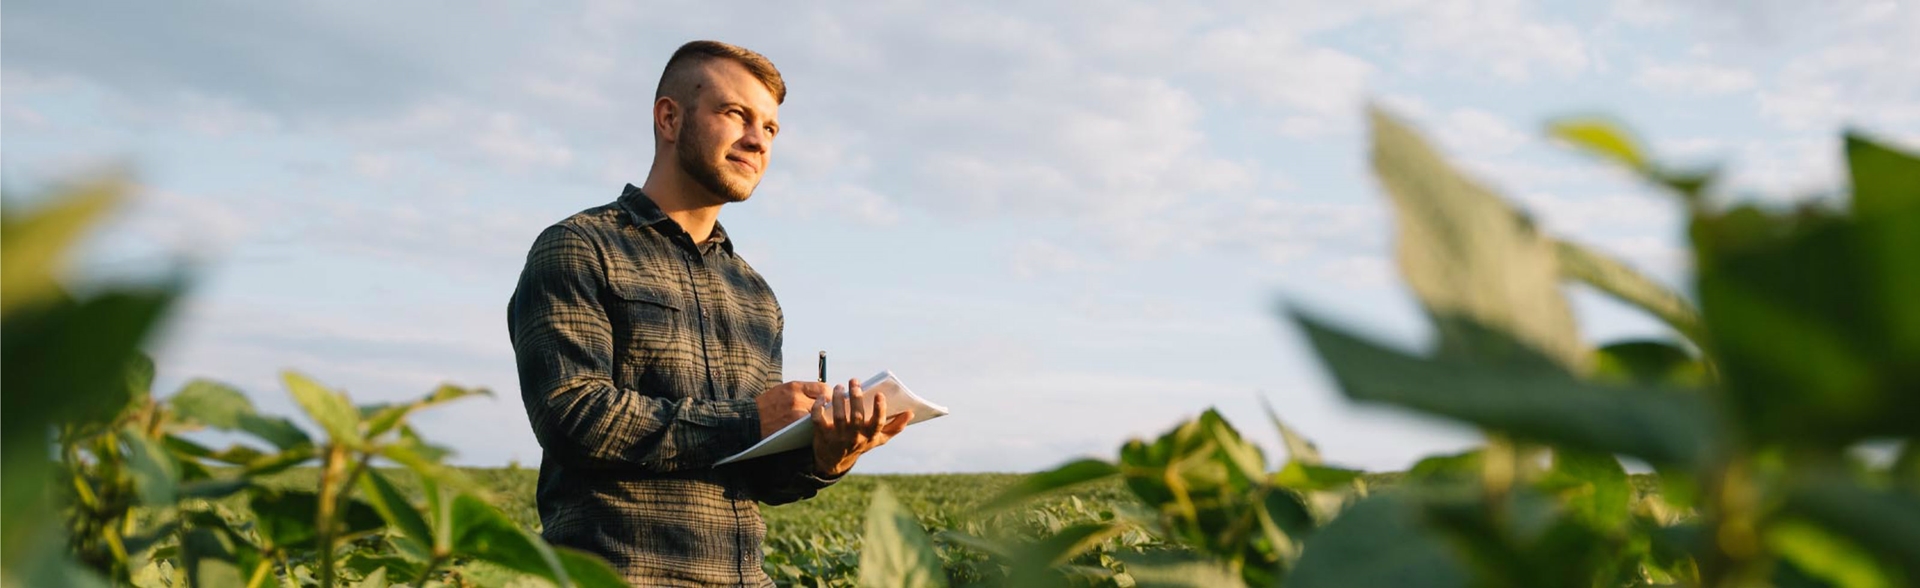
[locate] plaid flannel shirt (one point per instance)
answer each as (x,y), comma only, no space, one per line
(640,354)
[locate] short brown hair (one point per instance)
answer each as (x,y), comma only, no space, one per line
(673,83)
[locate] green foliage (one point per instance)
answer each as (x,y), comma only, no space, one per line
(897,553)
(141,502)
(1809,346)
(1803,347)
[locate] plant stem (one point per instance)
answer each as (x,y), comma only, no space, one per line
(427,572)
(323,519)
(260,573)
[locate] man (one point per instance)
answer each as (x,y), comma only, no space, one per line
(648,350)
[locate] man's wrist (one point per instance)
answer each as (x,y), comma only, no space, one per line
(829,470)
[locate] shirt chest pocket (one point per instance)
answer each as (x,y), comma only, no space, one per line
(649,316)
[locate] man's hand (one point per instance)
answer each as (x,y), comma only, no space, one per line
(853,424)
(783,404)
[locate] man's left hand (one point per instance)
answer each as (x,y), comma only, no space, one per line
(853,424)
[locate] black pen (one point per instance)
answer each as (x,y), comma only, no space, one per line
(823,367)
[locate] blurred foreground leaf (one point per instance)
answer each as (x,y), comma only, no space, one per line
(1475,263)
(895,552)
(1541,404)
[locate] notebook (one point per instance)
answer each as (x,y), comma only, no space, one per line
(799,433)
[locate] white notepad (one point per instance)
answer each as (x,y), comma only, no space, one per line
(799,433)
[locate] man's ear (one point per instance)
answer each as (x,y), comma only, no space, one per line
(667,118)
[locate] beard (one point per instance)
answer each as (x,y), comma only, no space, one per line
(705,170)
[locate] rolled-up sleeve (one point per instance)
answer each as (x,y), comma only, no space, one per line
(563,346)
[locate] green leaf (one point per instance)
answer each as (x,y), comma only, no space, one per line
(449,392)
(1062,546)
(1905,470)
(233,454)
(1289,514)
(1887,524)
(1173,569)
(588,570)
(895,552)
(1820,554)
(274,463)
(1540,404)
(140,376)
(330,409)
(1243,456)
(1601,137)
(1475,263)
(411,439)
(34,248)
(1378,542)
(1623,283)
(384,417)
(1814,328)
(212,404)
(282,433)
(149,537)
(482,533)
(213,489)
(1303,477)
(376,579)
(394,507)
(1885,180)
(155,474)
(1458,466)
(286,518)
(1651,363)
(983,545)
(1594,485)
(209,558)
(1299,449)
(365,562)
(1070,474)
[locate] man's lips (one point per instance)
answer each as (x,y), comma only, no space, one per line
(749,165)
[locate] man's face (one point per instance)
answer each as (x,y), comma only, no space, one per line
(726,138)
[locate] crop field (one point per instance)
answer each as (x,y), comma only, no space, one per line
(816,542)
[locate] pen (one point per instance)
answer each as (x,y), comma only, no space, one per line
(823,367)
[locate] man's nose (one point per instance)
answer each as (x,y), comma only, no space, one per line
(755,140)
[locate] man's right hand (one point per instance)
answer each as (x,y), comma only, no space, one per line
(783,404)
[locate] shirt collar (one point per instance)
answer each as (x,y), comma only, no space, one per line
(646,213)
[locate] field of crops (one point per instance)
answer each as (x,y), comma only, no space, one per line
(816,542)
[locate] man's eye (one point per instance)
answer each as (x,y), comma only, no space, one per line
(770,130)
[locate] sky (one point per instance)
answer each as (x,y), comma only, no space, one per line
(1072,223)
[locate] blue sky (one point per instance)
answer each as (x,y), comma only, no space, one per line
(1070,222)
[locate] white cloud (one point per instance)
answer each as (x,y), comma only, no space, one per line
(1360,272)
(1502,37)
(1475,131)
(1279,69)
(1644,13)
(1858,71)
(831,202)
(1610,213)
(1786,169)
(17,114)
(1312,127)
(1694,78)
(1035,258)
(464,132)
